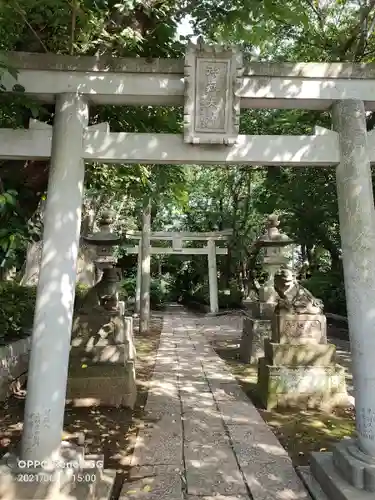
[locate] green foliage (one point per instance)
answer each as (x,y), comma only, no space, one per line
(228,298)
(16,309)
(128,287)
(329,287)
(81,290)
(17,305)
(247,20)
(14,107)
(14,234)
(158,291)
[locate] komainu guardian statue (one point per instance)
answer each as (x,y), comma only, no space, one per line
(293,296)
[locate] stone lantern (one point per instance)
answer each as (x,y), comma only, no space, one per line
(104,242)
(102,356)
(276,249)
(276,255)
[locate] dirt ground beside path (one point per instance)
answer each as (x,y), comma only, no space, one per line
(111,431)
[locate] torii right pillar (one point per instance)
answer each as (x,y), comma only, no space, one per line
(348,473)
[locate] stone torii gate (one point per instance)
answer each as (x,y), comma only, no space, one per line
(177,248)
(213,84)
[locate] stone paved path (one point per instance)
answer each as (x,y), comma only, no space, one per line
(205,440)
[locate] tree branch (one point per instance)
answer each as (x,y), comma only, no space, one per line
(75,7)
(317,12)
(364,12)
(21,13)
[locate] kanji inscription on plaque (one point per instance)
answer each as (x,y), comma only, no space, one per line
(212,105)
(292,328)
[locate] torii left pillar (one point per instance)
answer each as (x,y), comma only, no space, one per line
(48,368)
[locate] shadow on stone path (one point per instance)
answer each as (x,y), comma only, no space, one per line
(204,439)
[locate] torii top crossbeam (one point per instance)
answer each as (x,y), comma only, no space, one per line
(137,81)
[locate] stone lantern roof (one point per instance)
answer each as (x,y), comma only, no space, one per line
(272,236)
(105,236)
(104,241)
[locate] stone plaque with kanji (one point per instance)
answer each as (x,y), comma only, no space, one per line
(213,76)
(292,328)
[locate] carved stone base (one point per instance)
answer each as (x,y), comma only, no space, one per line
(326,478)
(301,386)
(254,332)
(102,385)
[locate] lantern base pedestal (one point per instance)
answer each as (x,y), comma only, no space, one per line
(254,333)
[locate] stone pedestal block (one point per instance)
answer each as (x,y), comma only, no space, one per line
(254,332)
(303,386)
(101,364)
(303,355)
(102,385)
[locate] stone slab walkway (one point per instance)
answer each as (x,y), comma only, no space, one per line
(204,439)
